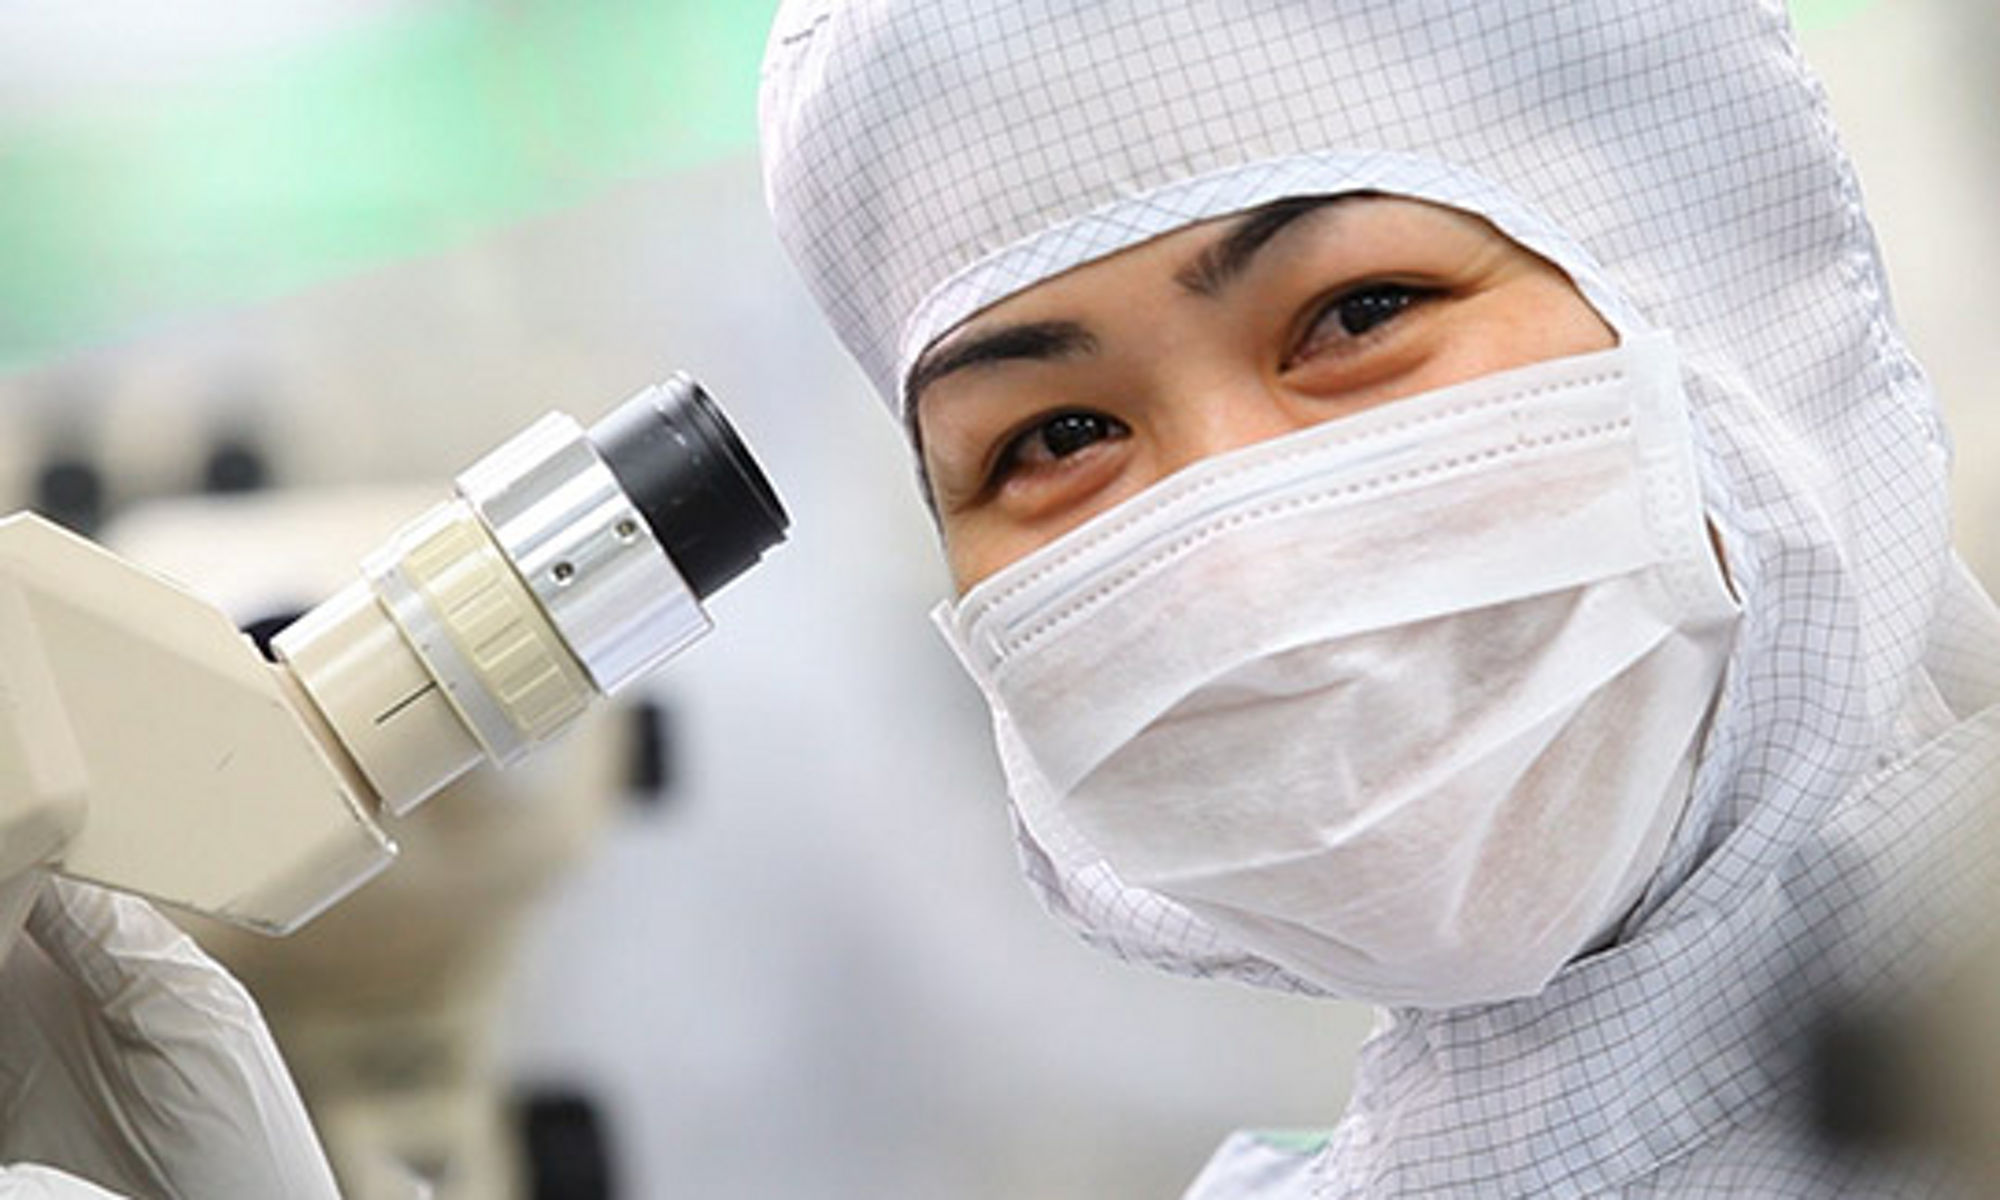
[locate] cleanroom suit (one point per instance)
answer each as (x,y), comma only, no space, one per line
(928,158)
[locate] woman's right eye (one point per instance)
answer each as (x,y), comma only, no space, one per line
(1046,443)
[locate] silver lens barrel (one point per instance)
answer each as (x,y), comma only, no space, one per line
(586,552)
(570,564)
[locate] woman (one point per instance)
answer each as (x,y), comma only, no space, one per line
(1444,517)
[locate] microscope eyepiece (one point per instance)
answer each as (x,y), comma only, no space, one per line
(684,468)
(570,564)
(567,564)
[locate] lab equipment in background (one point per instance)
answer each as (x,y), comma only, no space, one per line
(1915,1079)
(1909,1074)
(387,1008)
(69,490)
(146,744)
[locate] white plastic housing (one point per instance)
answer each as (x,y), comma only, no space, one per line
(175,761)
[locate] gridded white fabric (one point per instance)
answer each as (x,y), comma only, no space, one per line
(925,158)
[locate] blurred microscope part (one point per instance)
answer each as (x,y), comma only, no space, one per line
(388,1007)
(1919,1079)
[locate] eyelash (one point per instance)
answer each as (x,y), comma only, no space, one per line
(1008,461)
(1399,297)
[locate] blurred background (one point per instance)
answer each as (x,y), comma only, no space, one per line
(252,250)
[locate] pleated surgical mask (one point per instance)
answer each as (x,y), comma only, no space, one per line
(1406,704)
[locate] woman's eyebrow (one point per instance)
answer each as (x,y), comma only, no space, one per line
(1224,260)
(1040,341)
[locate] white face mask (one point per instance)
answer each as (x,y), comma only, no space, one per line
(1406,704)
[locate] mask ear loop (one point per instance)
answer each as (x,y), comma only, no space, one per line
(1712,585)
(1676,510)
(1631,328)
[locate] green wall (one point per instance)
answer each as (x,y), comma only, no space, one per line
(405,136)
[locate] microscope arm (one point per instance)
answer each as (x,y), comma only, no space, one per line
(146,745)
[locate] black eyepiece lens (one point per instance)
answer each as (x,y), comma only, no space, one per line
(707,501)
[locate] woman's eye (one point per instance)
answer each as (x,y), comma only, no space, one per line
(1055,438)
(1357,313)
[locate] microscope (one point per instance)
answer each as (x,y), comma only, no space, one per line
(146,744)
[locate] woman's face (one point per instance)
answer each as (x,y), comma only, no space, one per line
(1065,399)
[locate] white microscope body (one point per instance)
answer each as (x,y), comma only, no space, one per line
(146,744)
(389,1008)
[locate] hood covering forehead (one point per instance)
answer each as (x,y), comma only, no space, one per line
(927,158)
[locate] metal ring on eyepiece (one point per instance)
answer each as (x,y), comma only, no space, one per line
(585,551)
